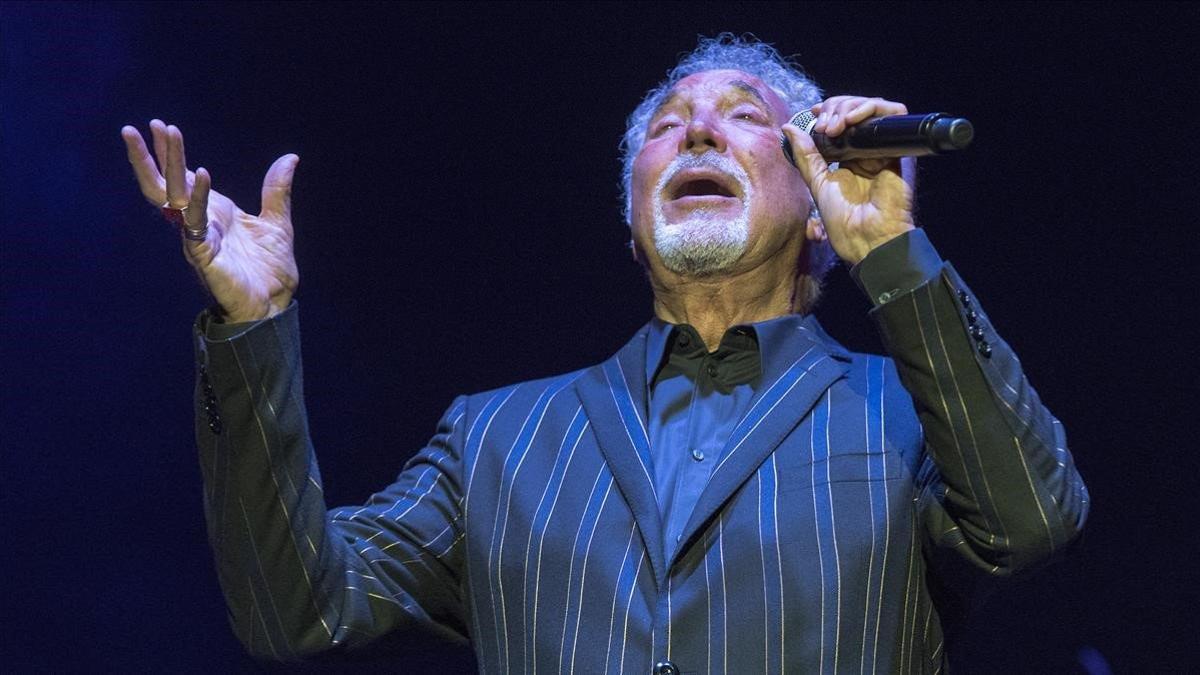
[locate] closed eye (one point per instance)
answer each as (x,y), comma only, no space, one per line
(748,116)
(663,127)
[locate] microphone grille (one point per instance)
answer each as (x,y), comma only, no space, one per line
(804,119)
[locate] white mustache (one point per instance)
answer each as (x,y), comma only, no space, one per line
(707,160)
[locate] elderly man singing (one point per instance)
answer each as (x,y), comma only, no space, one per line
(732,491)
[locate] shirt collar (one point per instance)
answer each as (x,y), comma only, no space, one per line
(772,337)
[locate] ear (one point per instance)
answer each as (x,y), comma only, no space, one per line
(814,229)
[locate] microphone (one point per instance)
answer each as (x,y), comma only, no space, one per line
(891,136)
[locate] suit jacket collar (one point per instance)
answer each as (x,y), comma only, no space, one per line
(800,361)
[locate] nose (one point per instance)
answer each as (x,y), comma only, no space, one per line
(703,134)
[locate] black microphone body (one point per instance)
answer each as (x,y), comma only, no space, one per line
(891,136)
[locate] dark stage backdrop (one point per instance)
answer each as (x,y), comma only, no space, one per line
(458,229)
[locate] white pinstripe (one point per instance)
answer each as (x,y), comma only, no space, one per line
(862,658)
(537,581)
(887,519)
(612,616)
(1037,502)
(945,406)
(466,499)
(497,580)
(762,554)
(724,594)
(562,645)
(275,481)
(908,592)
(769,410)
(583,572)
(928,618)
(779,563)
(266,586)
(254,611)
(669,617)
(437,466)
(708,595)
(628,604)
(812,449)
(967,418)
(483,436)
(613,392)
(837,560)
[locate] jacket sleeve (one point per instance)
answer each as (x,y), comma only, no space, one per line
(299,580)
(996,482)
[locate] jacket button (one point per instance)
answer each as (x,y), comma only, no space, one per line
(964,298)
(665,668)
(972,317)
(976,332)
(985,349)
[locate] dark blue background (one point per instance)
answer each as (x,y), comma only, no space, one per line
(458,228)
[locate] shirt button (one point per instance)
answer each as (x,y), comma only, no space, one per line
(665,668)
(698,455)
(985,349)
(712,370)
(683,340)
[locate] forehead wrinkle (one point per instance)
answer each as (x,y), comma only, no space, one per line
(750,89)
(740,85)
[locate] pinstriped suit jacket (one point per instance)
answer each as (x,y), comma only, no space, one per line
(853,507)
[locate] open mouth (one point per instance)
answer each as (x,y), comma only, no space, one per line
(702,187)
(701,184)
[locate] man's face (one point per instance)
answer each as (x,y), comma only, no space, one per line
(712,192)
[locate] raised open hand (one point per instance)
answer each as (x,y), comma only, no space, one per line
(245,261)
(865,202)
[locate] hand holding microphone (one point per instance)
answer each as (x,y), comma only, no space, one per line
(890,136)
(866,199)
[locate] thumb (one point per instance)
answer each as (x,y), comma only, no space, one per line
(813,167)
(277,187)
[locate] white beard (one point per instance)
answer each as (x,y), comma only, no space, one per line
(705,243)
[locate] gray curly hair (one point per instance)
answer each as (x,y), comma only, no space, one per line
(783,75)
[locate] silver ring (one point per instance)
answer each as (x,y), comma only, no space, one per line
(195,233)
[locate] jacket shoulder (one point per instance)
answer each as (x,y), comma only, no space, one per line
(527,389)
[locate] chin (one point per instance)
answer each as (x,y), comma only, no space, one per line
(701,245)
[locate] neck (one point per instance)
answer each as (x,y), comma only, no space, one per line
(714,304)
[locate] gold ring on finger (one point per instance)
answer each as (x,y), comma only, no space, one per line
(173,215)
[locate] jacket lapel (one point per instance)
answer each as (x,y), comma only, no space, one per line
(614,396)
(796,372)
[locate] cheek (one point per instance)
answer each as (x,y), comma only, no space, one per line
(780,195)
(641,190)
(643,174)
(648,166)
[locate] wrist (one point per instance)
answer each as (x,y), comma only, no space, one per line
(866,247)
(248,314)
